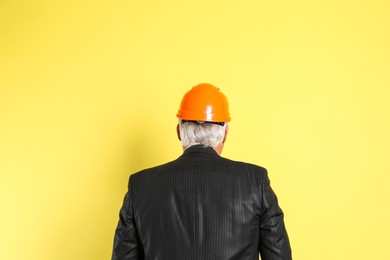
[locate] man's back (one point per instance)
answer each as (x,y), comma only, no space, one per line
(201,206)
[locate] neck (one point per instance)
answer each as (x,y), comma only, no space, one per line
(218,149)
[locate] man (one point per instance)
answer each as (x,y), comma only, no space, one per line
(201,205)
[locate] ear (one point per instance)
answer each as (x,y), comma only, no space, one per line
(178,132)
(226,133)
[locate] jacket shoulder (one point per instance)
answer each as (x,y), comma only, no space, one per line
(148,172)
(257,169)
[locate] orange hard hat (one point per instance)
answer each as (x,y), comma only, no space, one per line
(204,102)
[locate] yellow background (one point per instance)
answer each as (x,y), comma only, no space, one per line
(89,91)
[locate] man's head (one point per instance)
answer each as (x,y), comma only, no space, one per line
(203,117)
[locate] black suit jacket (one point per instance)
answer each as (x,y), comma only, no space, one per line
(201,206)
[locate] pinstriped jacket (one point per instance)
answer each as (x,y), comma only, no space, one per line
(201,206)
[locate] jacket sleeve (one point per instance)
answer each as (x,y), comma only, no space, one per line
(126,242)
(273,240)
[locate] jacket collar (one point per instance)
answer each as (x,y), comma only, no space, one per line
(200,148)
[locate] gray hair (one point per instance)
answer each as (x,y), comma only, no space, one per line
(206,133)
